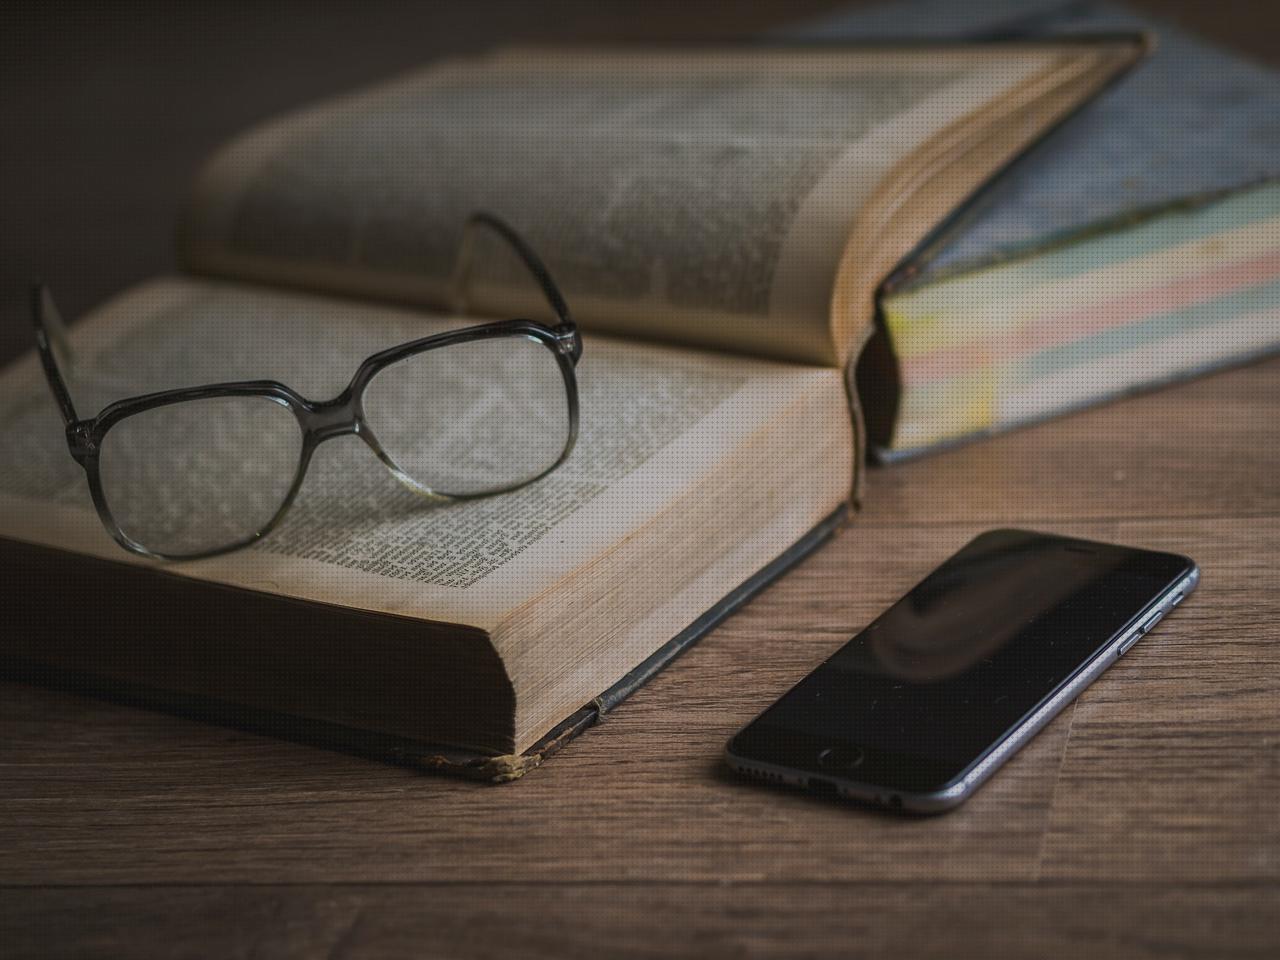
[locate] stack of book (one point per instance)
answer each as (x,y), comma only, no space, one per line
(1137,244)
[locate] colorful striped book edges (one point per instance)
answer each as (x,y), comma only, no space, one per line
(1137,244)
(1177,294)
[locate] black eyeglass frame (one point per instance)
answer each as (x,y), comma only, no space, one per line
(318,420)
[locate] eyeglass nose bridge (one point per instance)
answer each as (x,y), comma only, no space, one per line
(338,417)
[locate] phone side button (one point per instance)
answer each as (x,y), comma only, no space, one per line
(1129,641)
(1152,620)
(1141,629)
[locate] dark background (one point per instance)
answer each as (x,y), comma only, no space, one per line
(109,108)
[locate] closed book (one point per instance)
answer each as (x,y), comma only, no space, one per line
(1136,244)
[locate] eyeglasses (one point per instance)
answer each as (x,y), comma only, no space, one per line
(200,471)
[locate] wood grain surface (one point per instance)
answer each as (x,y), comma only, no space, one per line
(1144,822)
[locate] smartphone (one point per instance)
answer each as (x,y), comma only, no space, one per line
(922,706)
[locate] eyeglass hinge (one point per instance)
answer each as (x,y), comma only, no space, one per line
(570,342)
(80,440)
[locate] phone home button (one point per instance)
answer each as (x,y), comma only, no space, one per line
(841,758)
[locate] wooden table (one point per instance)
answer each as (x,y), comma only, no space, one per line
(1145,821)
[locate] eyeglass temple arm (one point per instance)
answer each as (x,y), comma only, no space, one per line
(51,338)
(534,264)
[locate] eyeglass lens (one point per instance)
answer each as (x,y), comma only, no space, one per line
(191,477)
(471,418)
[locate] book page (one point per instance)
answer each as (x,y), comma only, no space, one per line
(653,420)
(703,197)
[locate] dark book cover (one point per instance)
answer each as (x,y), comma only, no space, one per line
(1188,124)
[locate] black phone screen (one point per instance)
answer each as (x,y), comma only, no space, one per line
(948,671)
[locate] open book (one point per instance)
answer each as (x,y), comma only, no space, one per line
(719,221)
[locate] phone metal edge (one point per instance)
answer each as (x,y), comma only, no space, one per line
(952,796)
